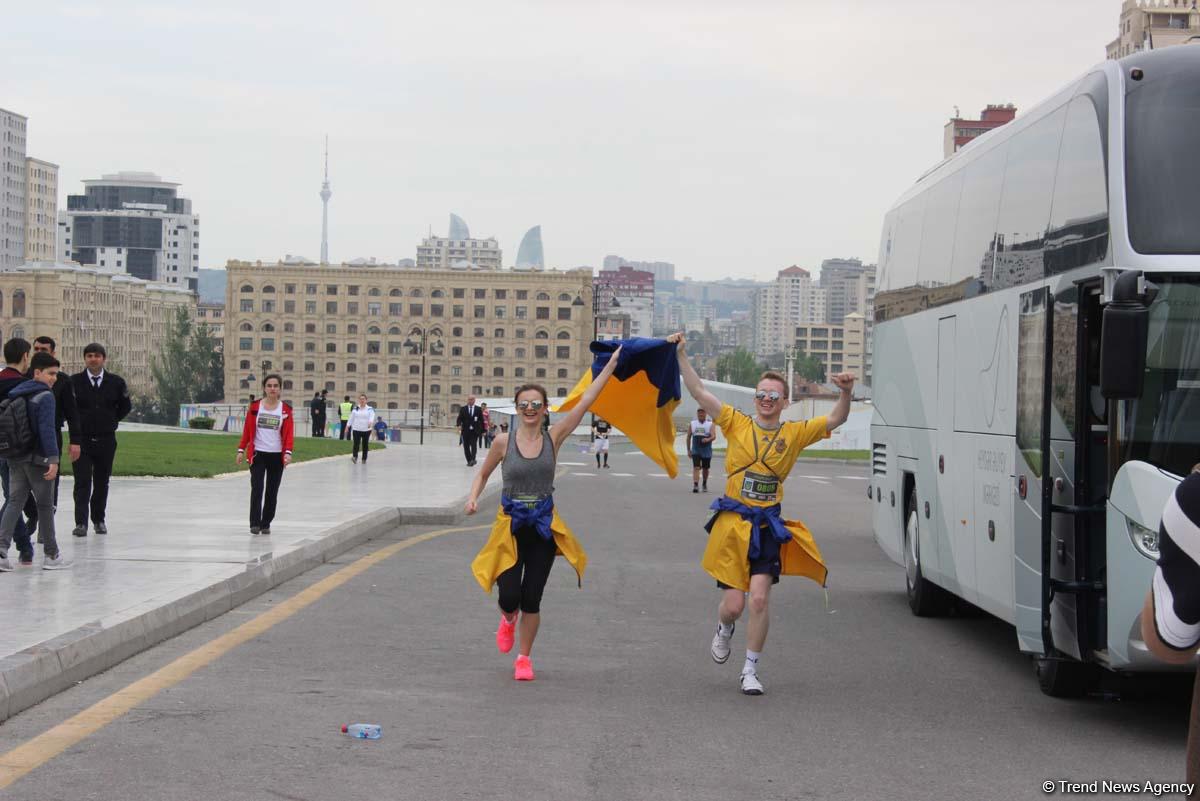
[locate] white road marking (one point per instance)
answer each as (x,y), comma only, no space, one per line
(658,475)
(589,475)
(635,453)
(856,478)
(622,475)
(574,464)
(818,481)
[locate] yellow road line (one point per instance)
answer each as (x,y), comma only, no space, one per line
(41,749)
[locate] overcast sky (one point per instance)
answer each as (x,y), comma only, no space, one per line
(732,139)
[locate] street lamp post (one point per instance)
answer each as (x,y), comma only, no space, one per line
(422,344)
(579,301)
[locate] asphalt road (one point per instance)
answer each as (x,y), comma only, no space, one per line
(863,700)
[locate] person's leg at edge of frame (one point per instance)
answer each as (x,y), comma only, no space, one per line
(20,536)
(274,473)
(12,511)
(82,470)
(258,471)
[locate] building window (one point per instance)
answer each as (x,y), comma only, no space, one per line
(309,367)
(354,290)
(395,348)
(244,364)
(543,296)
(352,308)
(477,352)
(331,289)
(522,312)
(562,372)
(480,312)
(498,352)
(414,369)
(310,289)
(459,292)
(289,307)
(373,309)
(543,312)
(541,352)
(308,386)
(372,368)
(498,372)
(393,369)
(501,294)
(395,309)
(245,343)
(268,306)
(564,313)
(519,372)
(456,351)
(373,347)
(310,347)
(330,328)
(351,347)
(331,347)
(331,307)
(310,328)
(393,387)
(480,293)
(414,389)
(416,309)
(351,367)
(436,310)
(246,288)
(562,352)
(289,289)
(310,307)
(288,345)
(540,373)
(247,305)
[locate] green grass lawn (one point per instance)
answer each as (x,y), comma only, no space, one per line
(153,453)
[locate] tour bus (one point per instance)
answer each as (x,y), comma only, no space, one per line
(1037,365)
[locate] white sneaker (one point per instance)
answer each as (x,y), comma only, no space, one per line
(720,646)
(57,563)
(750,684)
(5,565)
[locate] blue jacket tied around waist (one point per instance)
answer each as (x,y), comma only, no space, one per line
(540,515)
(757,516)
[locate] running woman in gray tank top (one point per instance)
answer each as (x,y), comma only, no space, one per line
(528,532)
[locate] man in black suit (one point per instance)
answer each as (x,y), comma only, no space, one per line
(316,413)
(470,426)
(102,400)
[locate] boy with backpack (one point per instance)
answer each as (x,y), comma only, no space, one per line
(16,359)
(29,442)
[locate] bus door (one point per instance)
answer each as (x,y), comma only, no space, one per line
(1057,526)
(1030,501)
(956,548)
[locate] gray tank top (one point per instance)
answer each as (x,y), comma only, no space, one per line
(528,479)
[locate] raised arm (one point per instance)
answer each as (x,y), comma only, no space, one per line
(691,379)
(841,409)
(570,421)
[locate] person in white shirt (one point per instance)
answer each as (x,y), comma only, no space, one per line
(362,422)
(699,447)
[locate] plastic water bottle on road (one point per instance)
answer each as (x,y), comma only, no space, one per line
(363,731)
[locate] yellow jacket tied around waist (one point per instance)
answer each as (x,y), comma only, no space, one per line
(499,553)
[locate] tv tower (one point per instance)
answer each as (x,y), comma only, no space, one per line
(326,193)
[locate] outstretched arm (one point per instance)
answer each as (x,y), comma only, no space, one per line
(495,455)
(570,421)
(691,379)
(841,410)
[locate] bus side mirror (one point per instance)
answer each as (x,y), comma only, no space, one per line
(1125,330)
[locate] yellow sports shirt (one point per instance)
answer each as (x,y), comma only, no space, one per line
(757,460)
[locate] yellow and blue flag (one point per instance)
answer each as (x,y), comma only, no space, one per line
(640,397)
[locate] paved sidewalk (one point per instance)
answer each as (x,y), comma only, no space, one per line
(180,552)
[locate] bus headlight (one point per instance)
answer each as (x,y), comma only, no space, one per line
(1144,539)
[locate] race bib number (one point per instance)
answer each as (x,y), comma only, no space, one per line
(528,501)
(270,422)
(759,487)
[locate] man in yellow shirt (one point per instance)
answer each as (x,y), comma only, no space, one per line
(749,543)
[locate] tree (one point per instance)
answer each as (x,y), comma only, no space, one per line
(739,367)
(810,368)
(187,369)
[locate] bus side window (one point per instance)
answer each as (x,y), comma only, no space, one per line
(1078,233)
(1025,203)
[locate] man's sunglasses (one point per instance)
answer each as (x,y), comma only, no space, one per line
(763,395)
(535,405)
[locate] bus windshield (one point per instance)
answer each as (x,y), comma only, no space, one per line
(1162,113)
(1163,426)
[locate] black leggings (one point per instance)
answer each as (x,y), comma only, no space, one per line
(536,556)
(266,471)
(363,437)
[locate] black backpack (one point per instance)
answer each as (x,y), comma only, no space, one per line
(17,437)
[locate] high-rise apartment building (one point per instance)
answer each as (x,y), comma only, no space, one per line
(661,270)
(75,306)
(41,210)
(459,251)
(849,287)
(843,348)
(12,191)
(959,132)
(352,329)
(792,300)
(136,223)
(1154,24)
(634,291)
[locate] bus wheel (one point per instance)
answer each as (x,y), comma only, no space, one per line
(925,599)
(1063,678)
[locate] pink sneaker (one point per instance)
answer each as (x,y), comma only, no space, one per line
(505,633)
(523,669)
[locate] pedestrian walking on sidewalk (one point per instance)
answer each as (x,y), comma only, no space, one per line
(16,358)
(484,442)
(470,424)
(103,402)
(64,409)
(267,445)
(362,420)
(528,532)
(749,543)
(344,409)
(29,409)
(600,431)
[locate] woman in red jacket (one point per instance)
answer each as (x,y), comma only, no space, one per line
(267,446)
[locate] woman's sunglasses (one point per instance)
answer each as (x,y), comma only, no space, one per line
(535,405)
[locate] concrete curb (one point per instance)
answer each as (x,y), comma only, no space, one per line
(46,669)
